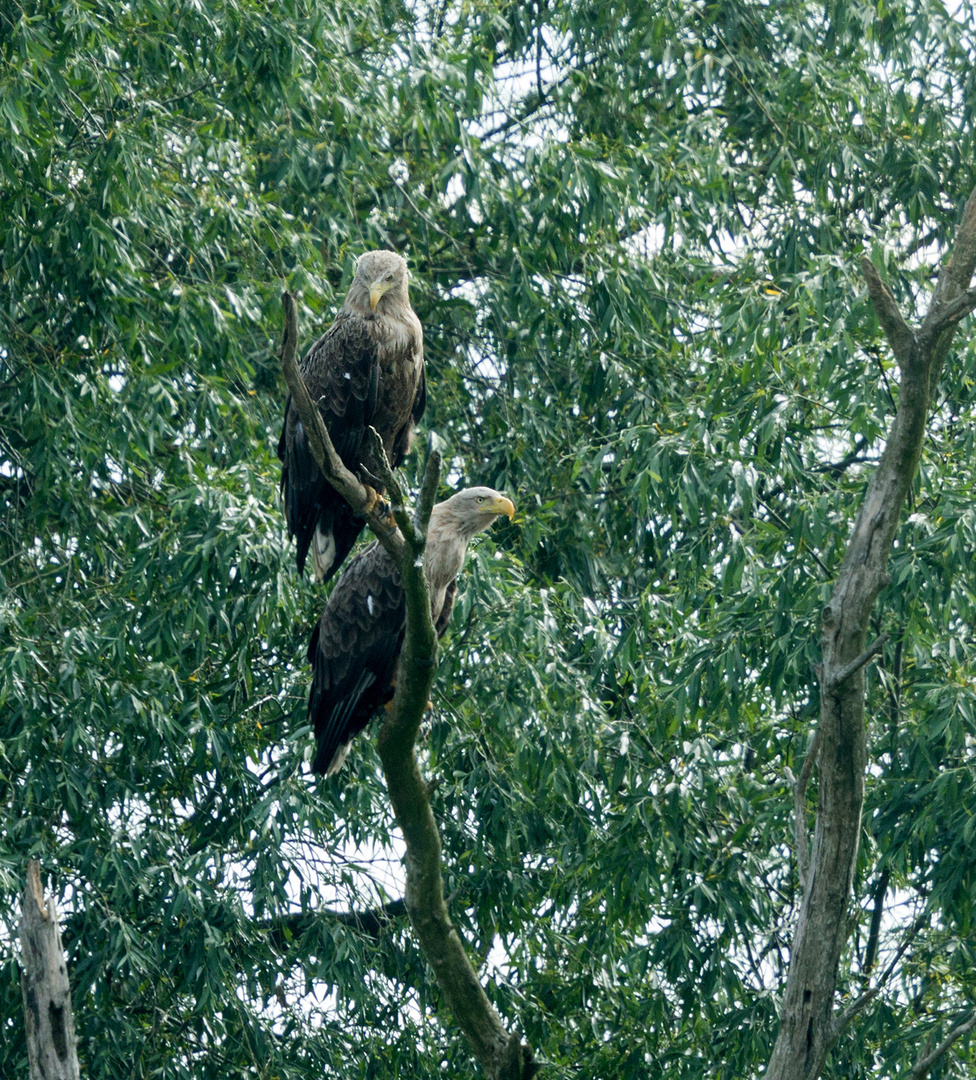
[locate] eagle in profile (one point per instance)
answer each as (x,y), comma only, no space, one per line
(356,644)
(366,369)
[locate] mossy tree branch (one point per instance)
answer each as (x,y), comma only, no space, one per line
(502,1055)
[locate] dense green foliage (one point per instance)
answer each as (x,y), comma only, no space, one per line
(634,231)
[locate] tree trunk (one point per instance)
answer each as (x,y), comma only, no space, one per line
(808,1027)
(44,981)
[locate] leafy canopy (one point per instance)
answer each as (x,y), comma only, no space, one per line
(634,231)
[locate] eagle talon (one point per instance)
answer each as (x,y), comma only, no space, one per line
(374,499)
(378,507)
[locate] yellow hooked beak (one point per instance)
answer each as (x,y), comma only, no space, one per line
(501,505)
(376,291)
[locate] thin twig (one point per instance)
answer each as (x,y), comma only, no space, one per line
(376,455)
(870,994)
(921,1067)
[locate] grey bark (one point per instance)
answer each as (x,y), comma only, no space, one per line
(502,1055)
(44,981)
(807,1026)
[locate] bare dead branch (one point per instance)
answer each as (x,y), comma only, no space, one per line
(921,1067)
(807,1028)
(896,330)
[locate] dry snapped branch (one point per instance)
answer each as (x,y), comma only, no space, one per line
(47,995)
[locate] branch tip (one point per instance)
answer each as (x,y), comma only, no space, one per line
(428,489)
(381,464)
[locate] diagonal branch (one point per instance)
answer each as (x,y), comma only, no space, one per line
(896,330)
(857,663)
(948,315)
(923,1065)
(872,992)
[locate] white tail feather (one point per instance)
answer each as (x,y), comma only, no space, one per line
(323,553)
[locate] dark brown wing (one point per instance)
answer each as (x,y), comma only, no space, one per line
(341,371)
(354,651)
(402,439)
